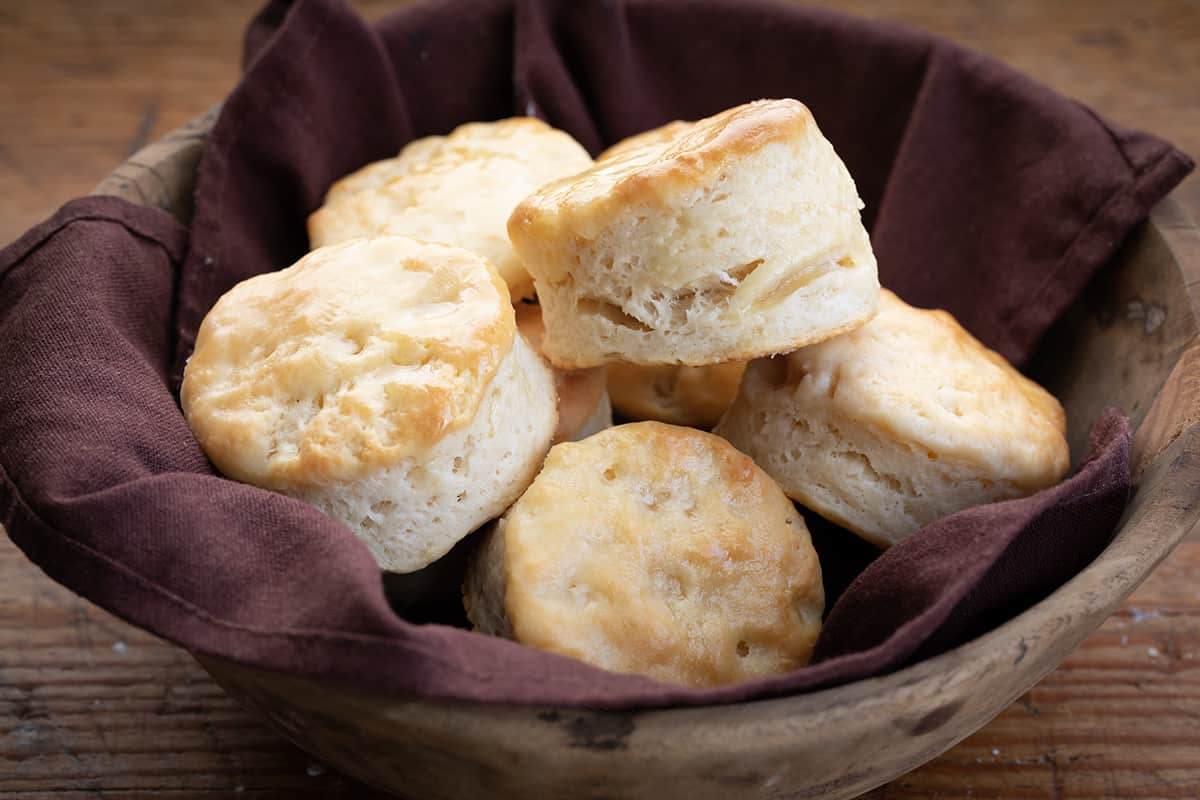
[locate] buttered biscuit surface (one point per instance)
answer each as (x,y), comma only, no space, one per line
(905,420)
(733,237)
(458,189)
(654,549)
(359,355)
(382,381)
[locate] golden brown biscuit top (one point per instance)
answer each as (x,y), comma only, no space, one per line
(916,376)
(664,165)
(685,165)
(458,189)
(655,136)
(356,357)
(661,550)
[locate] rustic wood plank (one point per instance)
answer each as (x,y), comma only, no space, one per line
(80,714)
(87,84)
(1118,719)
(89,704)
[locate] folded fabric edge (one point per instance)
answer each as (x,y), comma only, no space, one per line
(111,584)
(152,224)
(262,27)
(1101,236)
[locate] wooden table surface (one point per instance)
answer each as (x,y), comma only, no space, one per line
(91,707)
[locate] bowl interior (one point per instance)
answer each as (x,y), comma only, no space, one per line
(1125,333)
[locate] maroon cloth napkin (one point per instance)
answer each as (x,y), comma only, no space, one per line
(986,194)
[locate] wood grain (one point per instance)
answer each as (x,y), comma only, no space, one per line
(91,705)
(80,715)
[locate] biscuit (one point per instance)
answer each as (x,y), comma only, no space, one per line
(693,396)
(583,404)
(458,189)
(380,380)
(905,420)
(658,135)
(735,238)
(653,549)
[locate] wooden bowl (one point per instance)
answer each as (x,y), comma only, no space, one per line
(1131,340)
